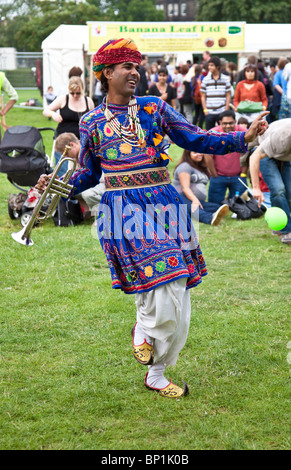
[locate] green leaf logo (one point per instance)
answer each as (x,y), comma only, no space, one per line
(234,29)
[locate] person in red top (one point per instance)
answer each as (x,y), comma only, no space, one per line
(250,89)
(225,169)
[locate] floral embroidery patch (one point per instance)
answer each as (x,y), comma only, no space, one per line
(133,275)
(111,154)
(125,148)
(191,268)
(148,271)
(151,151)
(173,261)
(160,266)
(150,108)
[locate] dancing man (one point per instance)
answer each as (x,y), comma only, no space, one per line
(148,251)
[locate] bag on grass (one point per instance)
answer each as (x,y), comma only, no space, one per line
(246,209)
(68,213)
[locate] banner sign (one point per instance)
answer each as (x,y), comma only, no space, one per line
(171,38)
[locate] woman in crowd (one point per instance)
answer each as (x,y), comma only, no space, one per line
(67,111)
(250,90)
(190,180)
(162,89)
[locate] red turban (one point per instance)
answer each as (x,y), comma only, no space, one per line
(115,51)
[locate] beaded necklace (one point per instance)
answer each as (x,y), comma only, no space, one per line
(132,133)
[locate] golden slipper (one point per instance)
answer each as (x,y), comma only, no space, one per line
(143,353)
(171,390)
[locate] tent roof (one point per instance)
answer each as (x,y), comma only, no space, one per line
(67,36)
(270,37)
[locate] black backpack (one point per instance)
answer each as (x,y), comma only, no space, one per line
(68,212)
(246,209)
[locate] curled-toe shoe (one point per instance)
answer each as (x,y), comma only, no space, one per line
(143,353)
(171,390)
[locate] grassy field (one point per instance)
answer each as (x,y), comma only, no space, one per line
(68,378)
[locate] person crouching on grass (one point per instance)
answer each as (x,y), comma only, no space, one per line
(124,137)
(90,198)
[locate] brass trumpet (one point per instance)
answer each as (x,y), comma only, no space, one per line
(57,188)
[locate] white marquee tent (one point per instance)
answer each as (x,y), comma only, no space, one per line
(63,49)
(67,46)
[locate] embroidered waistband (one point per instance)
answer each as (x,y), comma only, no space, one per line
(136,179)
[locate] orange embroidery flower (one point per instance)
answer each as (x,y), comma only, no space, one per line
(125,148)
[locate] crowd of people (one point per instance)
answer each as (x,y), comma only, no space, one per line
(216,96)
(257,82)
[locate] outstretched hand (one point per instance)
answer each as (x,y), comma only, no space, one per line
(258,127)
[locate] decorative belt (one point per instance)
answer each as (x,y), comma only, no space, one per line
(136,179)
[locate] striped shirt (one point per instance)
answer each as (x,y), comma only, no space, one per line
(215,91)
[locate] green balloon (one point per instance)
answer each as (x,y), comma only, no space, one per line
(276,218)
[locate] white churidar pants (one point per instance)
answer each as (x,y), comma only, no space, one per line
(164,315)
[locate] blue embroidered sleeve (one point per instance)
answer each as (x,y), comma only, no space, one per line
(192,138)
(90,172)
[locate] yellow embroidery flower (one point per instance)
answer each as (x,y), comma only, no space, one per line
(148,271)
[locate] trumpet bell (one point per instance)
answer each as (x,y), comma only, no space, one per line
(21,238)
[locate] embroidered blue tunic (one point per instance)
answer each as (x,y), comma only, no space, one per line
(147,238)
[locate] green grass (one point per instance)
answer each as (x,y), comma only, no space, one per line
(24,95)
(68,378)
